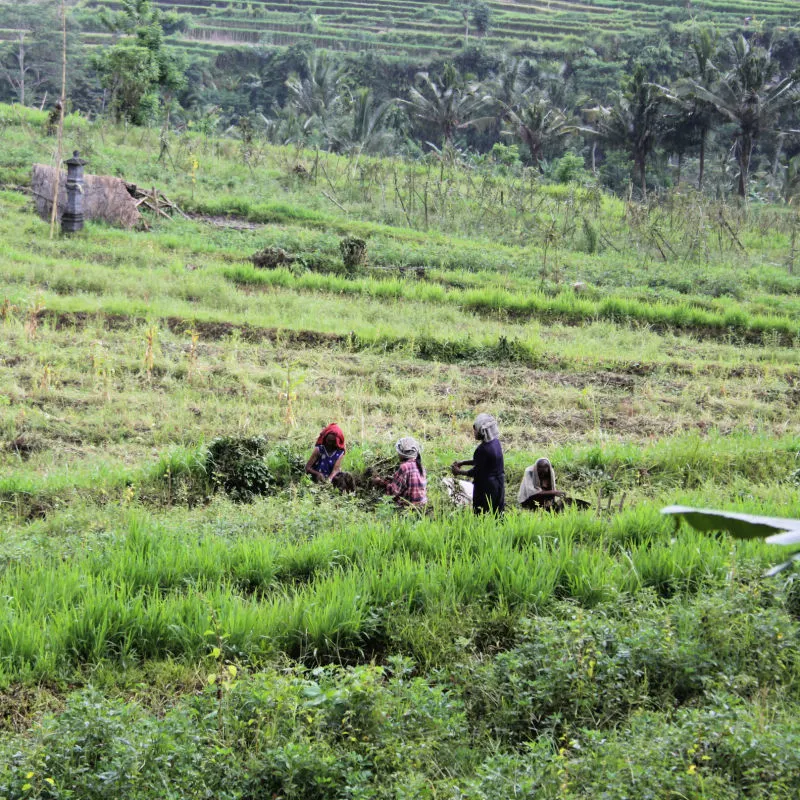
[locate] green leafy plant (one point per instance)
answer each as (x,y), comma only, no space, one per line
(238,467)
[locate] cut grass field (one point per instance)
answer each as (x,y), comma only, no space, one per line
(157,639)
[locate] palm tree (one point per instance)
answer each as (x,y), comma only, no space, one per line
(791,180)
(632,121)
(750,95)
(365,126)
(447,106)
(693,117)
(317,96)
(463,8)
(312,20)
(369,118)
(704,48)
(537,124)
(508,85)
(134,14)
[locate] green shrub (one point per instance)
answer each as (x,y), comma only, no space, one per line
(569,169)
(238,466)
(286,464)
(590,236)
(727,750)
(593,670)
(616,171)
(793,595)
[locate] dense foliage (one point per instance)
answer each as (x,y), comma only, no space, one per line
(646,108)
(238,467)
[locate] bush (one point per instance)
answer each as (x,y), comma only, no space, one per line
(727,751)
(569,169)
(286,464)
(594,670)
(616,172)
(793,595)
(506,156)
(238,467)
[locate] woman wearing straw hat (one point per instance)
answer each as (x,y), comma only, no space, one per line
(487,468)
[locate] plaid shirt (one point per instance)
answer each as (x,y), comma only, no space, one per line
(408,484)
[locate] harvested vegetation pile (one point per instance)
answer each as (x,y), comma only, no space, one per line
(272,257)
(354,253)
(153,200)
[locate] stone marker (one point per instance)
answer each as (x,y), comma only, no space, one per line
(72,218)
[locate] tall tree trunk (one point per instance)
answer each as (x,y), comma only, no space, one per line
(22,68)
(778,150)
(536,151)
(640,160)
(745,151)
(703,135)
(62,104)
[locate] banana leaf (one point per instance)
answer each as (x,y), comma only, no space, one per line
(774,530)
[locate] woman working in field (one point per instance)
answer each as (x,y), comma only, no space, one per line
(538,487)
(409,483)
(326,458)
(538,490)
(487,468)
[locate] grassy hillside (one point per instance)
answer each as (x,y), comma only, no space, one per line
(158,639)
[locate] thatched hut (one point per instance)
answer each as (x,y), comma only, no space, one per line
(105,198)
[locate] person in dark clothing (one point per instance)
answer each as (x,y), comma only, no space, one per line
(487,469)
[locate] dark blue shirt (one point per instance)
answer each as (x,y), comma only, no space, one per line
(326,461)
(489,478)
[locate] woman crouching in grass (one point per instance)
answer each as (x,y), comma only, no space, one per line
(538,488)
(326,458)
(409,483)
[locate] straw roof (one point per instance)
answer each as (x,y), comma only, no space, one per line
(104,197)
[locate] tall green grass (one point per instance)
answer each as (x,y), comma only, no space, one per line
(154,593)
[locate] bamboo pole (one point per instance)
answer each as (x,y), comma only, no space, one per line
(63,102)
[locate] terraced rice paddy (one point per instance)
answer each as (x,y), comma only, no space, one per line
(157,639)
(424,29)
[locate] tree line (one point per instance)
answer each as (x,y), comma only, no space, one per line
(630,119)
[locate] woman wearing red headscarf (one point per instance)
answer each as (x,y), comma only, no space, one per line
(326,458)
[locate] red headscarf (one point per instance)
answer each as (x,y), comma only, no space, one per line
(336,431)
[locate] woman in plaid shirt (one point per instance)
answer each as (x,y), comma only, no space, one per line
(408,484)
